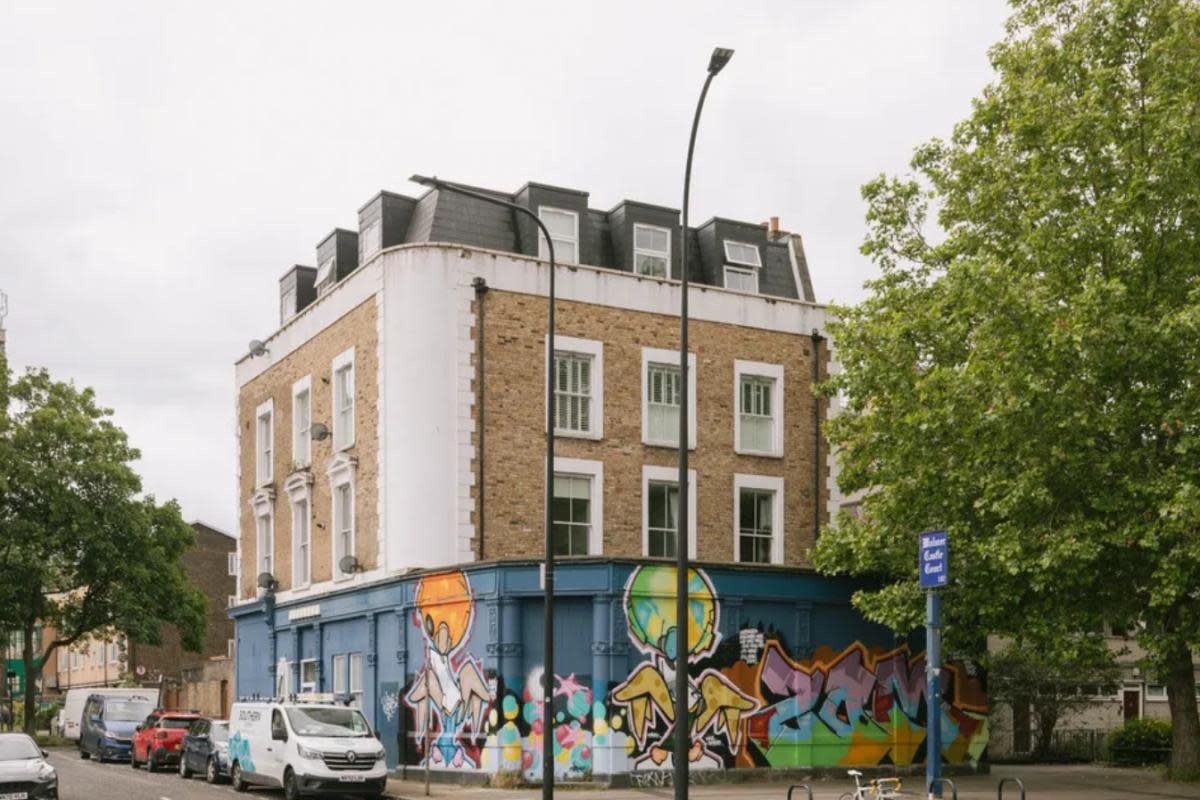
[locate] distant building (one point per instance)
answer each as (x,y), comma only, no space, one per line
(110,661)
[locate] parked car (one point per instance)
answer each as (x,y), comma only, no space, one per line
(24,771)
(72,712)
(205,750)
(108,723)
(307,748)
(159,739)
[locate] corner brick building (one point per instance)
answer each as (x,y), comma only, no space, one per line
(391,440)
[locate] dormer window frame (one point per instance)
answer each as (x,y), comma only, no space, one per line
(743,271)
(326,270)
(559,239)
(730,258)
(642,251)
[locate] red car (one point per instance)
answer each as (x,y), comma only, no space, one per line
(159,740)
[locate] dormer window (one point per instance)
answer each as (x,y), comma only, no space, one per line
(564,231)
(651,251)
(370,241)
(742,263)
(325,270)
(743,254)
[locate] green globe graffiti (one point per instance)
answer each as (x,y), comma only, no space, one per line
(650,609)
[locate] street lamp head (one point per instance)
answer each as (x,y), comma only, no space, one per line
(720,57)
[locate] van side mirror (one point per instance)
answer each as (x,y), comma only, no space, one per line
(377,736)
(279,734)
(94,718)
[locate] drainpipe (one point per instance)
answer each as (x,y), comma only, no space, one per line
(481,289)
(816,475)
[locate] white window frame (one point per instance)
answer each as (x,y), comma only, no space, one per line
(774,373)
(1156,691)
(355,678)
(302,433)
(729,259)
(233,565)
(341,473)
(264,459)
(259,549)
(287,304)
(231,600)
(594,471)
(299,490)
(670,358)
(740,271)
(326,270)
(341,678)
(310,686)
(544,251)
(114,652)
(655,474)
(637,251)
(595,350)
(343,439)
(767,483)
(370,240)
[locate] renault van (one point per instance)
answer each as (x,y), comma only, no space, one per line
(108,724)
(316,749)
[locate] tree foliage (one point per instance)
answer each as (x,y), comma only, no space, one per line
(1051,681)
(82,551)
(1024,371)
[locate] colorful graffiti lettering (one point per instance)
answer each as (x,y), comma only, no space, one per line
(449,695)
(855,707)
(715,703)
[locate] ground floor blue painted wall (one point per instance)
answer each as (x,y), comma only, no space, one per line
(783,671)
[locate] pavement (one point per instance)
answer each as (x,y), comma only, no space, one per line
(90,780)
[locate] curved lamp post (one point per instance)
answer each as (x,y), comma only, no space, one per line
(683,728)
(548,602)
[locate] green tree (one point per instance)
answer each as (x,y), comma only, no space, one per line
(1024,372)
(1051,681)
(82,551)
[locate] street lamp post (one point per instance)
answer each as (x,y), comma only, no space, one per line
(548,602)
(683,729)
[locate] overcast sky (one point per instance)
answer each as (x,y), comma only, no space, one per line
(162,164)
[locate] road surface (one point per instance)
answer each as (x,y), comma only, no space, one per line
(91,780)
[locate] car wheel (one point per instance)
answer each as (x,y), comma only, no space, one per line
(291,789)
(211,773)
(238,780)
(133,758)
(184,772)
(84,754)
(150,765)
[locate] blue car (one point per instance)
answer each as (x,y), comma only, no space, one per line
(206,750)
(106,730)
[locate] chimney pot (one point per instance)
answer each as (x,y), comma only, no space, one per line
(774,227)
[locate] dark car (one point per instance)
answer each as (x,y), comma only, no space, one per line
(106,730)
(158,740)
(24,771)
(206,750)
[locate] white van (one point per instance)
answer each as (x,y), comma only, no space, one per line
(72,711)
(309,748)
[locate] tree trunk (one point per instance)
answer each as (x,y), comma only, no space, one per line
(1185,721)
(28,656)
(1044,734)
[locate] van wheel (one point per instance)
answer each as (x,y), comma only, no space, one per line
(84,754)
(184,772)
(211,774)
(291,790)
(237,779)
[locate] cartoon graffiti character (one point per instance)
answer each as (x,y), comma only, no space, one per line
(715,704)
(450,685)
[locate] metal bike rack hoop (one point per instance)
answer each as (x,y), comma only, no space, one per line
(804,786)
(1000,787)
(943,782)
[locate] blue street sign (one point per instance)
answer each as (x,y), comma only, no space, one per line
(935,559)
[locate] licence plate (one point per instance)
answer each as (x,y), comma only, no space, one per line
(342,778)
(14,796)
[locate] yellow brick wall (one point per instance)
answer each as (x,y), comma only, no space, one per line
(515,424)
(356,329)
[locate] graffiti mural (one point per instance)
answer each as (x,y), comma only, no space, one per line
(647,696)
(519,728)
(449,695)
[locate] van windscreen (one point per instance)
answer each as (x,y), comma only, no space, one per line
(126,710)
(331,721)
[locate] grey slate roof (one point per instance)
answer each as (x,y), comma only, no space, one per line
(605,237)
